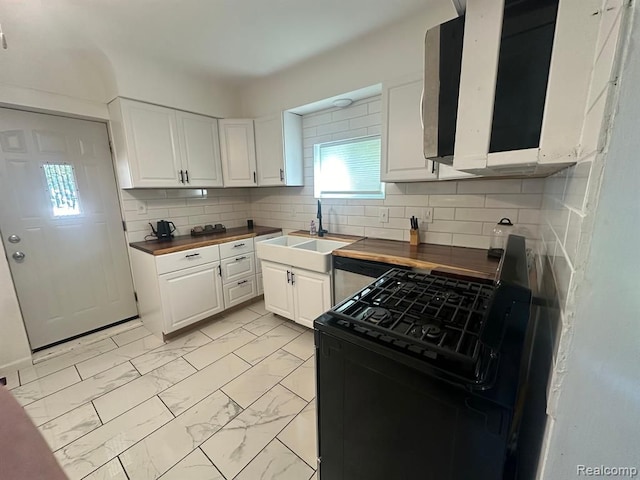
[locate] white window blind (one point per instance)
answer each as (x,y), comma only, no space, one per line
(348,169)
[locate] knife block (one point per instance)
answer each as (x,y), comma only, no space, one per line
(414,237)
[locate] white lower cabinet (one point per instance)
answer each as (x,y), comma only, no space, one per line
(190,295)
(177,289)
(294,293)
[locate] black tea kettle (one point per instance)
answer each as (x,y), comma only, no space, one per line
(164,230)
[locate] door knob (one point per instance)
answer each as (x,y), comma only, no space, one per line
(18,256)
(14,239)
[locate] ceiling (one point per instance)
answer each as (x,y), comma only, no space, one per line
(230,40)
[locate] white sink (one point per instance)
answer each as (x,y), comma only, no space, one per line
(301,252)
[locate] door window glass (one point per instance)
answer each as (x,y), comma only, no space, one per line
(63,193)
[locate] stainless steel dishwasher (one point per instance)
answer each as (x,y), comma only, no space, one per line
(352,274)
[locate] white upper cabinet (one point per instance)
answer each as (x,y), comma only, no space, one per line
(402,155)
(200,149)
(238,152)
(159,147)
(563,105)
(146,144)
(279,149)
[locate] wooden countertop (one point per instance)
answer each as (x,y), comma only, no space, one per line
(460,260)
(185,242)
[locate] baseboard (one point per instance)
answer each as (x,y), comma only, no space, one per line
(16,365)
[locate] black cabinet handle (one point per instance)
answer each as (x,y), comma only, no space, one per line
(186,172)
(240,258)
(281,175)
(181,177)
(293,278)
(242,282)
(433,167)
(192,255)
(288,276)
(237,245)
(254,177)
(220,271)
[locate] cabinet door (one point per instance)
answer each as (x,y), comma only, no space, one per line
(402,139)
(270,150)
(278,295)
(190,295)
(152,145)
(279,149)
(200,149)
(238,152)
(312,295)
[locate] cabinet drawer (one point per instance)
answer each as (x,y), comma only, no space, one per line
(235,249)
(239,291)
(187,258)
(235,268)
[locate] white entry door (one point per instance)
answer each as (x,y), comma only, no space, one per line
(61,226)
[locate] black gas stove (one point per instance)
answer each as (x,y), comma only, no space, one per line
(424,368)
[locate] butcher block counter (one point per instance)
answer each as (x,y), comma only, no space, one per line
(460,260)
(186,242)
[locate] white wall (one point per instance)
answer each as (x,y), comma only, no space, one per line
(172,86)
(389,53)
(464,212)
(14,346)
(590,223)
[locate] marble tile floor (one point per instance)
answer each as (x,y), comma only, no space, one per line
(234,399)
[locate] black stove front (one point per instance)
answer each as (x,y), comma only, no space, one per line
(417,375)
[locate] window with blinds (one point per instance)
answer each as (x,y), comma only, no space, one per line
(348,168)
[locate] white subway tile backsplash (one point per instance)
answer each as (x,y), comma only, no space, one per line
(315,119)
(343,135)
(334,127)
(456,200)
(486,214)
(186,211)
(309,132)
(524,200)
(375,106)
(473,241)
(443,213)
(490,186)
(456,227)
(385,233)
(395,188)
(533,185)
(577,184)
(365,221)
(374,130)
(347,113)
(438,238)
(431,188)
(366,121)
(528,216)
(407,200)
